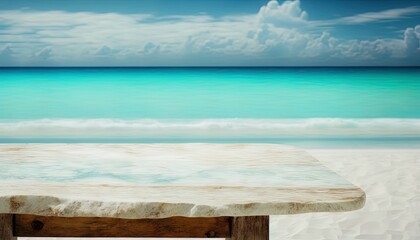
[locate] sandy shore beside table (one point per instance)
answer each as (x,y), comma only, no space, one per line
(161,190)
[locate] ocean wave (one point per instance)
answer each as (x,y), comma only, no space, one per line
(209,128)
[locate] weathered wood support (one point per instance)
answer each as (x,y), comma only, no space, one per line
(250,228)
(6,227)
(234,228)
(180,227)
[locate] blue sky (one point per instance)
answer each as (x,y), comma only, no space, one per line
(209,33)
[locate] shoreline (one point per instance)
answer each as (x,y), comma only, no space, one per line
(343,145)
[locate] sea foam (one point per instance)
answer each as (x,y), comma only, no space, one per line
(209,128)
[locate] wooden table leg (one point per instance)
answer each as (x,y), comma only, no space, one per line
(6,227)
(250,228)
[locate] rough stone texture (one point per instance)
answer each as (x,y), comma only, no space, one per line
(164,180)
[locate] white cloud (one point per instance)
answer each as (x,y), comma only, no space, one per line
(276,32)
(213,43)
(412,39)
(323,45)
(377,50)
(286,14)
(387,15)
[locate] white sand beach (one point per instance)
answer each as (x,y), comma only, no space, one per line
(391,180)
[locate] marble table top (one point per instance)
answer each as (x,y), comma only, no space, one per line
(164,180)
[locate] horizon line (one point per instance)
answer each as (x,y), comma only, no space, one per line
(384,66)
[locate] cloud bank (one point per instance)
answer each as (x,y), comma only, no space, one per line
(279,34)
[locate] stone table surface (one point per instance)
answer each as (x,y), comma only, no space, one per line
(164,180)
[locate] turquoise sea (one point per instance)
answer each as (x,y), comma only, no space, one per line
(309,107)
